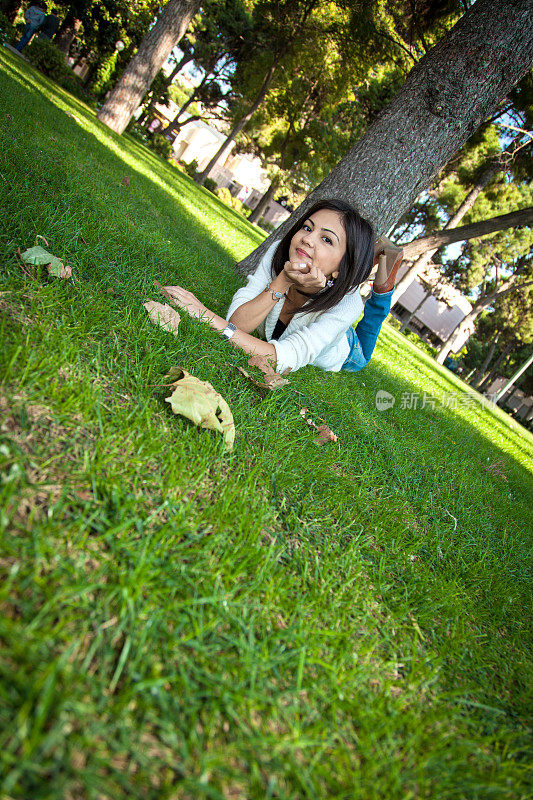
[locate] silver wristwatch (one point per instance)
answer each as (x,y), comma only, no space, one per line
(229,330)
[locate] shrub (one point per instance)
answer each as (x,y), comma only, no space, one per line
(210,184)
(191,168)
(8,32)
(420,343)
(266,226)
(225,195)
(103,80)
(51,62)
(236,204)
(137,131)
(160,145)
(48,59)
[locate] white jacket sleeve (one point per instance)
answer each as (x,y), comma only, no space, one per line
(305,345)
(256,282)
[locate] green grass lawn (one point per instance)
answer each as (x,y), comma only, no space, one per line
(283,621)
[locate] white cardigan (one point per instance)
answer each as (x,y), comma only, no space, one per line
(317,338)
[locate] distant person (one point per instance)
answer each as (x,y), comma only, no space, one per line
(49,27)
(304,295)
(34,17)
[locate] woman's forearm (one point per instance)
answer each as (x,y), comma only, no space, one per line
(244,341)
(250,314)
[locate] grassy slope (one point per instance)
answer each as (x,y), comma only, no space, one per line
(285,621)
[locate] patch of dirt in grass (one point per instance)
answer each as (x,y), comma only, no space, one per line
(10,305)
(410,519)
(38,436)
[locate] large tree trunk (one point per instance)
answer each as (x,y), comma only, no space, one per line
(153,51)
(237,128)
(10,8)
(445,98)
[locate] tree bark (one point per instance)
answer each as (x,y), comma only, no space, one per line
(153,51)
(473,231)
(445,98)
(507,286)
(237,128)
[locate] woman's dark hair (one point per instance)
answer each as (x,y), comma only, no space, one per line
(356,262)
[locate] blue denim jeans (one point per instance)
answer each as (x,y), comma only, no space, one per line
(29,30)
(363,339)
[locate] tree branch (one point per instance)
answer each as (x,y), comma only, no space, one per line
(473,231)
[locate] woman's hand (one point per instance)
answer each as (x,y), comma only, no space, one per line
(186,301)
(309,279)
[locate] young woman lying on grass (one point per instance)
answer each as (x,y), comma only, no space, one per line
(304,295)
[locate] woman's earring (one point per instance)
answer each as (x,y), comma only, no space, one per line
(330,283)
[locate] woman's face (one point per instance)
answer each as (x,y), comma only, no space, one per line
(320,242)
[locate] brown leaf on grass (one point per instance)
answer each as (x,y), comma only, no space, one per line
(203,405)
(63,271)
(325,434)
(9,117)
(273,380)
(163,315)
(125,181)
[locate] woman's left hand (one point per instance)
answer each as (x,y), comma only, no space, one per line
(187,301)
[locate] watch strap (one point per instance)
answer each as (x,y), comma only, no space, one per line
(229,330)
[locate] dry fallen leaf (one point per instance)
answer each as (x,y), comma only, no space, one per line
(273,380)
(38,256)
(203,405)
(325,434)
(125,181)
(163,315)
